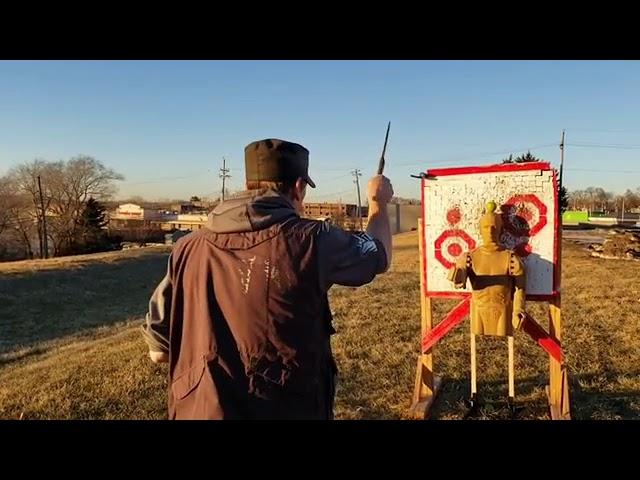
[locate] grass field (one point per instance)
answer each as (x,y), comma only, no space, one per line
(69,345)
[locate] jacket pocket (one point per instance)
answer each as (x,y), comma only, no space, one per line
(187,381)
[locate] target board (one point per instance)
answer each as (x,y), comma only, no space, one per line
(454,199)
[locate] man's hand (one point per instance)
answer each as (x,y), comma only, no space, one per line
(379,191)
(159,357)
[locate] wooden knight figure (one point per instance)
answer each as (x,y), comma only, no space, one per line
(497,279)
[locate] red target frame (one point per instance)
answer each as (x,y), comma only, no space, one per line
(544,166)
(454,234)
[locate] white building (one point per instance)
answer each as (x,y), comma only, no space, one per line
(131,211)
(183,222)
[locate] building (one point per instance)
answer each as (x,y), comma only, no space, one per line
(130,215)
(343,214)
(332,210)
(183,222)
(197,207)
(402,217)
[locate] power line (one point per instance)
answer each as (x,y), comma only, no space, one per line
(608,170)
(480,155)
(600,130)
(444,162)
(164,179)
(329,194)
(602,145)
(331,170)
(209,194)
(338,177)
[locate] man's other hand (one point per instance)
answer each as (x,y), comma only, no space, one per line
(159,357)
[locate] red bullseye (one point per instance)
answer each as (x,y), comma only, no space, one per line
(454,250)
(454,216)
(524,215)
(450,244)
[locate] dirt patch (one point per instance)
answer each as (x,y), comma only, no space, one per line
(619,244)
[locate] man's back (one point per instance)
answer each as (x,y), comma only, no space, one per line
(249,325)
(250,307)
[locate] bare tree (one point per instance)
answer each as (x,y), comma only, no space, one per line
(577,199)
(18,220)
(6,198)
(138,200)
(601,197)
(71,186)
(66,187)
(25,181)
(591,194)
(609,204)
(631,199)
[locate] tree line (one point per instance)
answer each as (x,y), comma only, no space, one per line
(53,208)
(596,199)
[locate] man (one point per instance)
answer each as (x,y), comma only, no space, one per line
(242,315)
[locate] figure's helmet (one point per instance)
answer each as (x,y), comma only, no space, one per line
(491,224)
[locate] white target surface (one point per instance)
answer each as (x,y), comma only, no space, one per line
(453,202)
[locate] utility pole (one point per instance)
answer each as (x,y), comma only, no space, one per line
(559,212)
(561,157)
(45,246)
(224,174)
(356,173)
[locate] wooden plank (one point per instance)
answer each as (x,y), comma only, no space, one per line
(426,387)
(512,388)
(452,320)
(550,344)
(565,409)
(474,381)
(556,387)
(555,410)
(558,390)
(421,410)
(417,386)
(427,358)
(424,390)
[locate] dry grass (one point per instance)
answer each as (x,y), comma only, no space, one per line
(46,300)
(104,372)
(78,261)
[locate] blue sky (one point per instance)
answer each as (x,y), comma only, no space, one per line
(166,125)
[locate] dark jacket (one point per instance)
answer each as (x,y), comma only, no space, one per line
(244,314)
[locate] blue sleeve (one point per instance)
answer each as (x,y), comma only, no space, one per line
(349,258)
